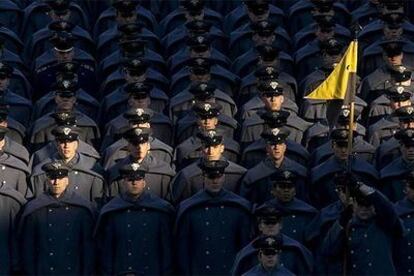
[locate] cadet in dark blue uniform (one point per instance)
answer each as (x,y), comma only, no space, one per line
(199,46)
(256,185)
(158,172)
(294,256)
(20,107)
(373,226)
(189,180)
(385,128)
(16,131)
(322,186)
(390,150)
(14,172)
(134,230)
(56,229)
(366,13)
(253,11)
(269,250)
(403,252)
(11,203)
(142,119)
(394,174)
(208,116)
(85,175)
(296,214)
(198,92)
(203,70)
(217,220)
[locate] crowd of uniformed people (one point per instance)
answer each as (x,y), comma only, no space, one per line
(173,137)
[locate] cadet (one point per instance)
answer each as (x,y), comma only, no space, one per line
(300,14)
(176,39)
(394,174)
(198,92)
(403,246)
(206,116)
(390,149)
(42,127)
(161,125)
(11,203)
(14,172)
(385,128)
(272,113)
(191,149)
(119,149)
(296,214)
(199,46)
(109,41)
(134,229)
(253,11)
(366,12)
(67,89)
(373,227)
(294,256)
(16,131)
(248,86)
(322,185)
(85,175)
(260,56)
(204,70)
(63,50)
(245,39)
(361,148)
(269,250)
(122,12)
(20,107)
(189,180)
(215,219)
(255,185)
(56,229)
(158,172)
(392,73)
(189,10)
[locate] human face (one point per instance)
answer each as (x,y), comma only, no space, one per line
(269,229)
(340,151)
(396,105)
(131,77)
(58,186)
(405,125)
(4,83)
(208,123)
(2,142)
(407,152)
(363,212)
(139,151)
(392,34)
(139,102)
(284,193)
(263,40)
(323,36)
(394,60)
(65,16)
(67,149)
(268,261)
(200,78)
(121,20)
(276,152)
(213,152)
(256,18)
(214,184)
(273,103)
(65,103)
(409,192)
(64,56)
(135,187)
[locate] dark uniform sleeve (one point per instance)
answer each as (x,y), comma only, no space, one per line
(334,242)
(98,192)
(106,249)
(385,214)
(28,245)
(88,244)
(183,243)
(166,241)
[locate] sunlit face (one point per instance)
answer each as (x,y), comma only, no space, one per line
(207,123)
(273,103)
(139,150)
(340,150)
(407,152)
(405,125)
(396,104)
(276,151)
(67,149)
(134,187)
(214,183)
(58,186)
(394,60)
(213,152)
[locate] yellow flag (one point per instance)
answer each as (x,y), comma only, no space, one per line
(338,83)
